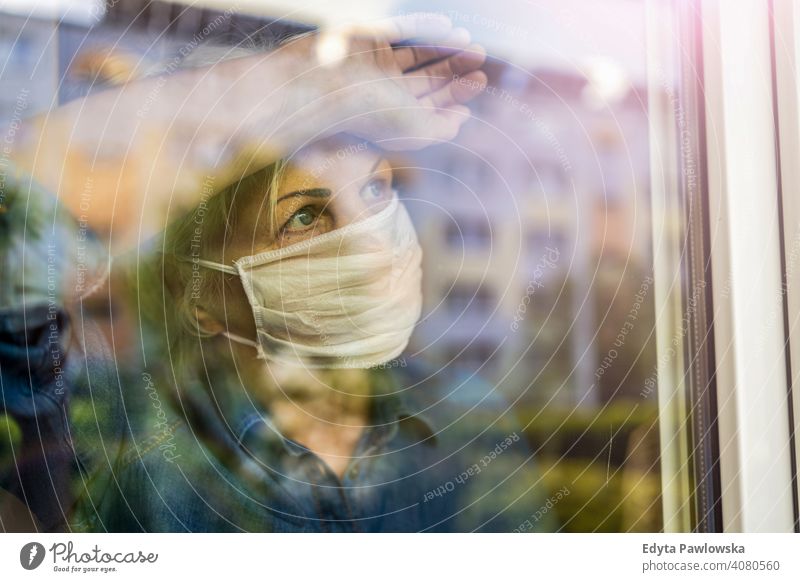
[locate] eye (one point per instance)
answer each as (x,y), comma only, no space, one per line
(301,220)
(376,190)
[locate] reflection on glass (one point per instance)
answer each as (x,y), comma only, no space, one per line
(526,398)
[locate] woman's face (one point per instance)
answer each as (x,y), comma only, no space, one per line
(328,185)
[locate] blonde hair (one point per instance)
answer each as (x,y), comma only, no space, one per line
(174,309)
(196,236)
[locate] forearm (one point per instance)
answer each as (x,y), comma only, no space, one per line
(177,136)
(120,159)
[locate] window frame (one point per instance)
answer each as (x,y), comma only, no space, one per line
(785,23)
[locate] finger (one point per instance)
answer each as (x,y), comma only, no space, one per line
(422,25)
(437,75)
(458,91)
(440,125)
(418,54)
(455,115)
(466,88)
(447,121)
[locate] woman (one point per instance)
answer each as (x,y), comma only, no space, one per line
(291,415)
(263,393)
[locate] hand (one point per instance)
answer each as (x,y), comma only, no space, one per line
(403,94)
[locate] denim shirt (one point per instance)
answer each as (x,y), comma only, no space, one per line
(443,453)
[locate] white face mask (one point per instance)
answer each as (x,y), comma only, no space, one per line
(348,298)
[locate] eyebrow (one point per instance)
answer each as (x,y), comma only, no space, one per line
(325,192)
(315,192)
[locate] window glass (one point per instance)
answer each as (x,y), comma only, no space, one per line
(539,383)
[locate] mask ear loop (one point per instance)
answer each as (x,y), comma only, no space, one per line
(211,265)
(243,340)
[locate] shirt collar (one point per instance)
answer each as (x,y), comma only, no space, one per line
(396,405)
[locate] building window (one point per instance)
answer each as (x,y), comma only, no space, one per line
(473,298)
(473,234)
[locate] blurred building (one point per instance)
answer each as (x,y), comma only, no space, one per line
(28,69)
(516,217)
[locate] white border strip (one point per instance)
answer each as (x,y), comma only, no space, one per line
(401,557)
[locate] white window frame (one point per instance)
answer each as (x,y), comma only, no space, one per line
(754,432)
(786,42)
